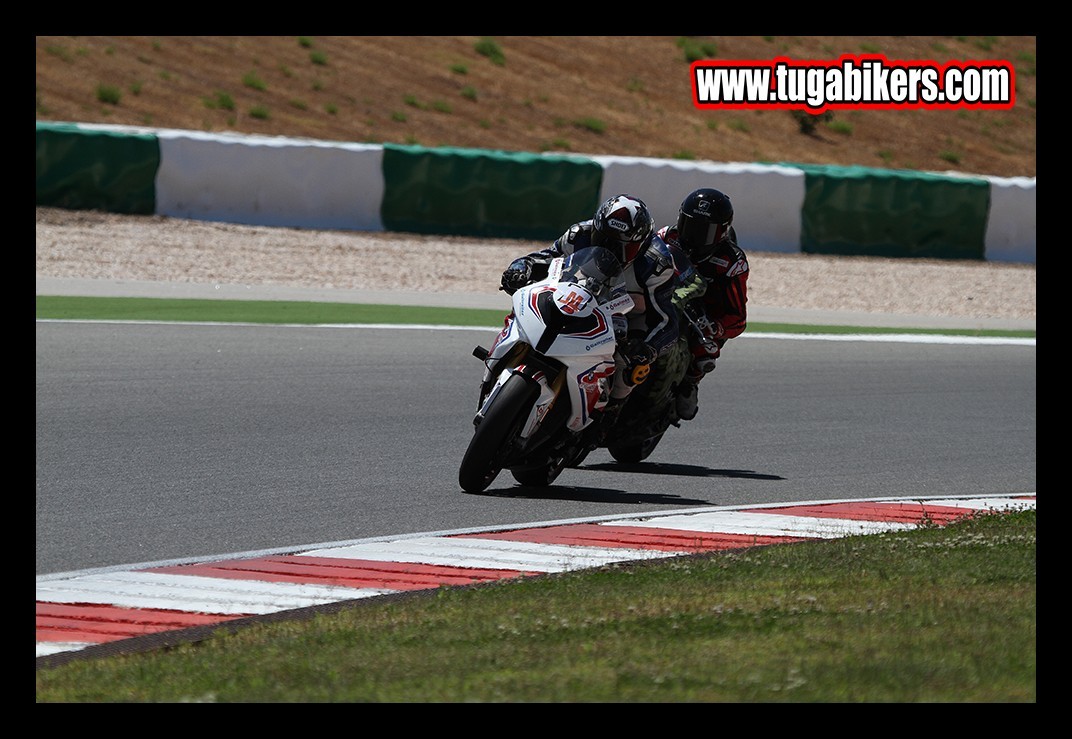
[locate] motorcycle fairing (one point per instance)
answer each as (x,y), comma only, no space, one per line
(570,335)
(592,391)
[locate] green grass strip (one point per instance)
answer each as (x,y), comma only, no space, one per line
(256,311)
(927,616)
(297,312)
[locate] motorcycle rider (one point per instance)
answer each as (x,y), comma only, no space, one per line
(624,225)
(704,231)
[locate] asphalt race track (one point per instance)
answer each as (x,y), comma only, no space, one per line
(159,442)
(193,476)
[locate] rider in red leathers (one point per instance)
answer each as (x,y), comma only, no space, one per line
(716,300)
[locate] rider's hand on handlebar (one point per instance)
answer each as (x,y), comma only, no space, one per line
(639,351)
(708,331)
(516,275)
(639,356)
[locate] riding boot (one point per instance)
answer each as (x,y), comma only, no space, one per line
(687,400)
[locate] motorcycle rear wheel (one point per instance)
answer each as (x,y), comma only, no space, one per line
(483,459)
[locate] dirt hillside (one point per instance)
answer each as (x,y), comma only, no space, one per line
(589,95)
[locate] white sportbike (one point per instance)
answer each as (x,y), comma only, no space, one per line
(548,372)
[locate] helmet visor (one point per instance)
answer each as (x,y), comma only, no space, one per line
(700,236)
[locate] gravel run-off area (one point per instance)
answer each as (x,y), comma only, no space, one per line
(238,260)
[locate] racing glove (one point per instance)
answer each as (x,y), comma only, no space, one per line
(709,335)
(712,330)
(639,356)
(516,275)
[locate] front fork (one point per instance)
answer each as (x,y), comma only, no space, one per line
(548,374)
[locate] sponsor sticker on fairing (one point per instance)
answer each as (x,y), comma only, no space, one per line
(593,383)
(574,302)
(554,274)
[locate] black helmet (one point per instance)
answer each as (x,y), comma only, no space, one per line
(624,225)
(703,220)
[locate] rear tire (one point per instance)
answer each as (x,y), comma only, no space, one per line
(577,459)
(483,458)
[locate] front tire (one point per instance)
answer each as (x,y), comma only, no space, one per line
(483,458)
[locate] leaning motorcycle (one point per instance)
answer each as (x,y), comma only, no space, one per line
(548,372)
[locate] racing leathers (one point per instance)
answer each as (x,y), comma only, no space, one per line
(652,325)
(716,297)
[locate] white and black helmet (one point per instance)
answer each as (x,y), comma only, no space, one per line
(624,225)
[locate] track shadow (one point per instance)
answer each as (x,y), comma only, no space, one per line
(685,470)
(607,495)
(588,495)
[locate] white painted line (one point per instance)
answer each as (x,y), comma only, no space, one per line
(196,594)
(768,524)
(906,338)
(45,648)
(490,554)
(986,501)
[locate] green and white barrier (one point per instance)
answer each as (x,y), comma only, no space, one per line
(1010,222)
(83,168)
(887,213)
(269,181)
(473,192)
(298,183)
(767,199)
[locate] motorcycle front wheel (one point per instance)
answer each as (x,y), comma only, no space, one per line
(483,460)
